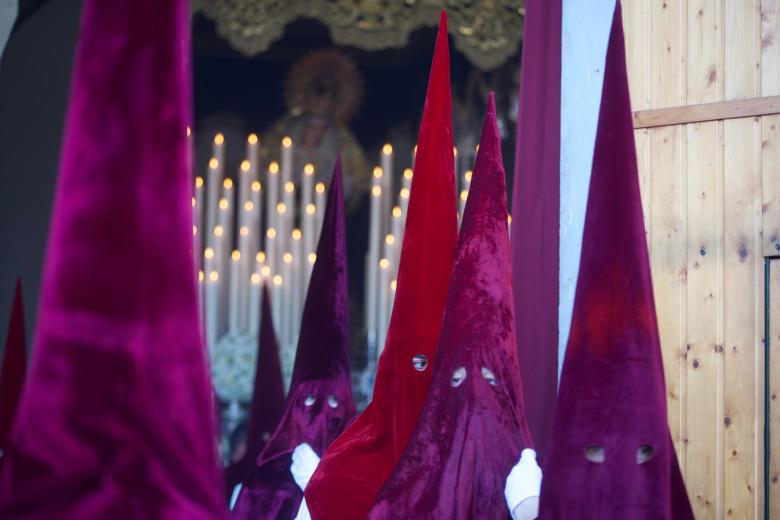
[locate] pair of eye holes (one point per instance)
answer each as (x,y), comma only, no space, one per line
(332,401)
(596,453)
(420,363)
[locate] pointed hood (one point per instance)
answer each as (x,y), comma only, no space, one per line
(358,463)
(472,428)
(610,452)
(320,403)
(14,366)
(115,420)
(267,398)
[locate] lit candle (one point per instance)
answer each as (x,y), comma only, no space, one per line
(397,230)
(384,300)
(235,284)
(254,303)
(270,249)
(223,229)
(379,180)
(276,303)
(455,164)
(298,266)
(464,195)
(307,209)
(244,241)
(257,210)
(287,159)
(289,213)
(319,204)
(213,179)
(373,257)
(270,215)
(282,236)
(387,185)
(287,316)
(212,305)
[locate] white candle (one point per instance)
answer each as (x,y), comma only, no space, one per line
(244,241)
(223,229)
(270,250)
(464,195)
(384,301)
(307,213)
(319,203)
(379,180)
(270,211)
(387,185)
(213,179)
(254,225)
(276,303)
(254,302)
(234,304)
(287,159)
(406,189)
(373,257)
(298,266)
(282,235)
(212,306)
(455,164)
(289,214)
(287,316)
(196,233)
(397,230)
(202,303)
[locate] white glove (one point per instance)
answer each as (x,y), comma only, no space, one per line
(524,482)
(303,512)
(304,462)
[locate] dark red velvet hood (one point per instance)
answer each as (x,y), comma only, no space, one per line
(320,374)
(610,453)
(360,460)
(469,436)
(14,366)
(267,398)
(116,419)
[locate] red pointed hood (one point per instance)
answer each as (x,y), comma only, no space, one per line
(14,366)
(472,428)
(116,417)
(320,403)
(360,460)
(610,452)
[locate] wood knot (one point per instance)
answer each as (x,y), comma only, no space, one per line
(718,348)
(695,363)
(727,422)
(702,251)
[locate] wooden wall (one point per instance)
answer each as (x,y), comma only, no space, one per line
(711,196)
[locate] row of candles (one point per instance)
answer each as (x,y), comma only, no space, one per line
(270,249)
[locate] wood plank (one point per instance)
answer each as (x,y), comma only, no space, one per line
(770,47)
(770,170)
(667,247)
(774,389)
(743,293)
(704,310)
(666,54)
(636,23)
(703,73)
(707,112)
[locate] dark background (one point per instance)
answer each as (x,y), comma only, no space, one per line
(34,81)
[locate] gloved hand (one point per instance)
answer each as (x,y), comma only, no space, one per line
(304,462)
(523,483)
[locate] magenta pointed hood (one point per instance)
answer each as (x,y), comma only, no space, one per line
(115,420)
(267,398)
(320,404)
(610,453)
(14,366)
(469,436)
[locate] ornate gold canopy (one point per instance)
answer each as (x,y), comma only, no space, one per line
(486,31)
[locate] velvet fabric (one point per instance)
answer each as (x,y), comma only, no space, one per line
(469,436)
(536,209)
(14,366)
(610,454)
(267,398)
(320,404)
(115,420)
(354,468)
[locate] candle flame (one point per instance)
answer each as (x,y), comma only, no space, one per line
(223,204)
(244,231)
(384,263)
(271,233)
(273,168)
(467,175)
(281,207)
(189,131)
(255,279)
(194,230)
(387,149)
(252,139)
(464,195)
(289,187)
(310,208)
(260,256)
(201,276)
(213,163)
(219,138)
(414,151)
(308,169)
(376,191)
(312,257)
(408,174)
(396,212)
(245,165)
(378,172)
(213,276)
(198,182)
(296,234)
(390,239)
(404,193)
(455,151)
(235,255)
(393,285)
(477,147)
(287,258)
(277,279)
(227,183)
(249,205)
(509,219)
(287,141)
(218,231)
(208,253)
(256,186)
(265,271)
(194,202)
(320,187)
